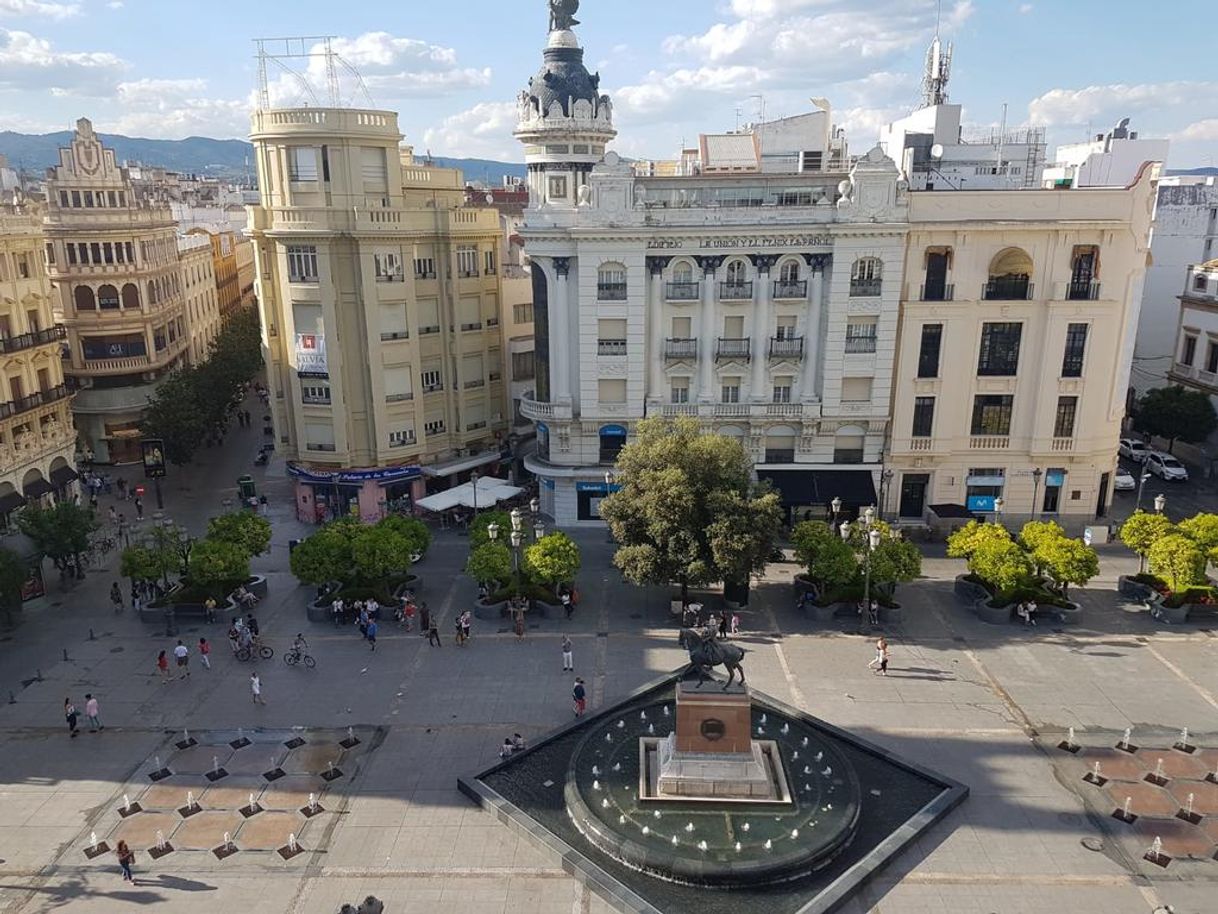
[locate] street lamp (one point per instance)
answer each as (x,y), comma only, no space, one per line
(473,478)
(1036,474)
(836,506)
(1160,503)
(885,490)
(999,504)
(870,542)
(1141,482)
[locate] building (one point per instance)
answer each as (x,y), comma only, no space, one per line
(246,272)
(1112,159)
(1195,361)
(113,257)
(37,437)
(201,294)
(1014,358)
(762,302)
(226,257)
(380,299)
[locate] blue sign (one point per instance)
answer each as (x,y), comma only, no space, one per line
(384,475)
(599,487)
(1055,479)
(616,431)
(542,428)
(981,503)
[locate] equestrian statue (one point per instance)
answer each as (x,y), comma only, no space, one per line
(707,652)
(562,14)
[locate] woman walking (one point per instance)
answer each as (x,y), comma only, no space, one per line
(162,665)
(126,857)
(70,715)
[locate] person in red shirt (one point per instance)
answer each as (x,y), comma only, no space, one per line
(204,651)
(162,665)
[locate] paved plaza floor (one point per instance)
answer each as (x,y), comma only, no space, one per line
(985,705)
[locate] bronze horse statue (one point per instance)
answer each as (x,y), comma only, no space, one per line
(707,652)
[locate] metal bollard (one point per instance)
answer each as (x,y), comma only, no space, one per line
(38,678)
(12,699)
(65,653)
(92,637)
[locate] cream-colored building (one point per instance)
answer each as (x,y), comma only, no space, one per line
(380,300)
(113,258)
(37,437)
(1018,315)
(202,307)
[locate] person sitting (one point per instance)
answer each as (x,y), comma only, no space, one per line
(517,743)
(506,750)
(245,597)
(873,613)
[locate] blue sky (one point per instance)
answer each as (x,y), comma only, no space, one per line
(453,70)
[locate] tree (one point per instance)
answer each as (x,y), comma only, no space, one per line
(416,533)
(1067,561)
(325,556)
(379,552)
(743,534)
(554,559)
(13,575)
(1177,560)
(973,536)
(478,535)
(1176,413)
(828,560)
(490,562)
(672,478)
(1141,531)
(245,529)
(1202,529)
(140,563)
(1003,565)
(894,561)
(1037,535)
(61,533)
(215,562)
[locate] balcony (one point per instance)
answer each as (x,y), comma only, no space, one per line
(856,345)
(683,291)
(736,291)
(733,349)
(311,400)
(1061,445)
(1082,290)
(790,289)
(467,274)
(534,410)
(937,291)
(397,398)
(921,444)
(989,443)
(611,291)
(428,330)
(313,446)
(390,336)
(611,347)
(1007,289)
(474,384)
(13,344)
(680,349)
(865,288)
(786,347)
(671,410)
(472,325)
(34,400)
(402,441)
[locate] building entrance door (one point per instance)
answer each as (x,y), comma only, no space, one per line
(913,494)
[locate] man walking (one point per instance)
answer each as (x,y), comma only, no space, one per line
(568,661)
(139,508)
(204,651)
(580,696)
(256,688)
(433,632)
(182,653)
(92,713)
(70,715)
(372,633)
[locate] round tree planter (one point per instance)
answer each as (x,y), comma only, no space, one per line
(892,615)
(1169,615)
(1135,590)
(969,592)
(994,615)
(490,611)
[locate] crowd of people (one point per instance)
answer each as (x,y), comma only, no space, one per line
(722,624)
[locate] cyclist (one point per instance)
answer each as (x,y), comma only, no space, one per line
(299,645)
(116,597)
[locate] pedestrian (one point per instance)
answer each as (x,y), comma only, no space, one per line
(735,624)
(433,632)
(408,615)
(424,618)
(873,613)
(518,626)
(122,488)
(162,665)
(70,715)
(264,507)
(182,654)
(372,633)
(116,597)
(568,661)
(252,624)
(93,714)
(336,609)
(113,516)
(204,651)
(126,857)
(234,638)
(723,624)
(139,508)
(567,606)
(506,750)
(580,696)
(123,530)
(256,688)
(466,624)
(880,646)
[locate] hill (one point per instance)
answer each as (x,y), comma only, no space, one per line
(230,159)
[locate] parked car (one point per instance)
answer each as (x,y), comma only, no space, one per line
(1124,481)
(1133,449)
(1165,466)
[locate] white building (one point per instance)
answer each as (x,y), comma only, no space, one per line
(1195,363)
(1112,159)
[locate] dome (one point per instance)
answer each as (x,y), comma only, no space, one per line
(563,78)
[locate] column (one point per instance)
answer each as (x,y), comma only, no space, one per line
(560,342)
(760,350)
(809,384)
(707,330)
(655,327)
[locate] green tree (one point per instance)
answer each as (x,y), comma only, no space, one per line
(1202,529)
(250,531)
(379,552)
(1001,564)
(829,561)
(218,562)
(554,559)
(13,575)
(60,533)
(1067,561)
(1176,413)
(140,563)
(478,535)
(1038,535)
(177,414)
(894,561)
(743,533)
(490,562)
(1141,531)
(1178,560)
(416,533)
(973,536)
(672,477)
(325,556)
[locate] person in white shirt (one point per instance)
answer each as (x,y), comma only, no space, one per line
(182,653)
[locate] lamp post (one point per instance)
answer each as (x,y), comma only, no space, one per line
(1036,474)
(473,478)
(999,504)
(885,490)
(610,479)
(871,540)
(836,507)
(1141,482)
(1160,503)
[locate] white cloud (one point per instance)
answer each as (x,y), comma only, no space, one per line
(1025,8)
(1092,104)
(663,95)
(38,8)
(1203,131)
(31,63)
(115,4)
(483,131)
(175,108)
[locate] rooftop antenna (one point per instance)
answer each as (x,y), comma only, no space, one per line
(938,67)
(760,108)
(284,53)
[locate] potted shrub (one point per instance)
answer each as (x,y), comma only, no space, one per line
(490,564)
(894,561)
(553,561)
(1139,533)
(829,564)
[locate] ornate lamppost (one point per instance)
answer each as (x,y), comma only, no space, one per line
(1160,503)
(871,539)
(1036,474)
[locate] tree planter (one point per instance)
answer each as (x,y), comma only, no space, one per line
(155,611)
(257,586)
(969,592)
(1135,590)
(994,615)
(892,615)
(490,610)
(1170,615)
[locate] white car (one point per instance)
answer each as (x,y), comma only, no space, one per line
(1165,466)
(1133,449)
(1124,481)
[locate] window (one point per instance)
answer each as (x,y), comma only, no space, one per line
(63,199)
(782,390)
(923,416)
(24,264)
(785,330)
(107,298)
(424,268)
(611,391)
(811,161)
(729,392)
(860,336)
(866,276)
(1199,283)
(683,272)
(849,446)
(388,266)
(928,352)
(1076,346)
(679,390)
(315,394)
(302,263)
(432,381)
(76,199)
(1010,276)
(467,261)
(522,314)
(999,355)
(558,187)
(611,337)
(488,260)
(434,427)
(319,436)
(992,414)
(736,273)
(373,168)
(1211,357)
(398,386)
(984,486)
(524,366)
(611,282)
(1189,354)
(1063,425)
(856,390)
(401,437)
(50,253)
(302,163)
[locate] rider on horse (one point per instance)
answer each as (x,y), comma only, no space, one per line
(707,652)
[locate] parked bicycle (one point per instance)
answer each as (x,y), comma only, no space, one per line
(296,655)
(255,650)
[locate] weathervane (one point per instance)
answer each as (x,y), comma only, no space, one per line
(562,14)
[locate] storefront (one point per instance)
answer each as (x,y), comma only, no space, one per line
(325,495)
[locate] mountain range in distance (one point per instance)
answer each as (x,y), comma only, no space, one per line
(230,160)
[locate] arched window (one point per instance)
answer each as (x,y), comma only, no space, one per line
(683,271)
(131,297)
(1010,276)
(152,296)
(866,276)
(736,286)
(736,272)
(790,271)
(84,298)
(107,298)
(788,284)
(611,282)
(684,285)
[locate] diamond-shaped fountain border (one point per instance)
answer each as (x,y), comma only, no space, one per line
(579,862)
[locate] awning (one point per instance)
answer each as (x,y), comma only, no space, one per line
(37,488)
(453,467)
(947,512)
(61,476)
(799,487)
(491,491)
(11,501)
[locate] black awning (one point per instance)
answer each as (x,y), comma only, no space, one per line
(38,487)
(947,512)
(799,487)
(11,502)
(61,476)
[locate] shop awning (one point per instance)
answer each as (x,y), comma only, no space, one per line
(11,501)
(61,476)
(947,512)
(453,467)
(37,488)
(491,491)
(800,487)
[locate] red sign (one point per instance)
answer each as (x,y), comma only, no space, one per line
(139,490)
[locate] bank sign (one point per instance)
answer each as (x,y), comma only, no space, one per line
(742,241)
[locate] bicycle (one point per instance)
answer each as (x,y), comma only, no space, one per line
(293,657)
(255,651)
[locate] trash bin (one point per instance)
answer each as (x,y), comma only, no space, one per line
(245,486)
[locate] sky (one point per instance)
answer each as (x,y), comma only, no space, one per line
(453,70)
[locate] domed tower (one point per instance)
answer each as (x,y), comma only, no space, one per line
(565,123)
